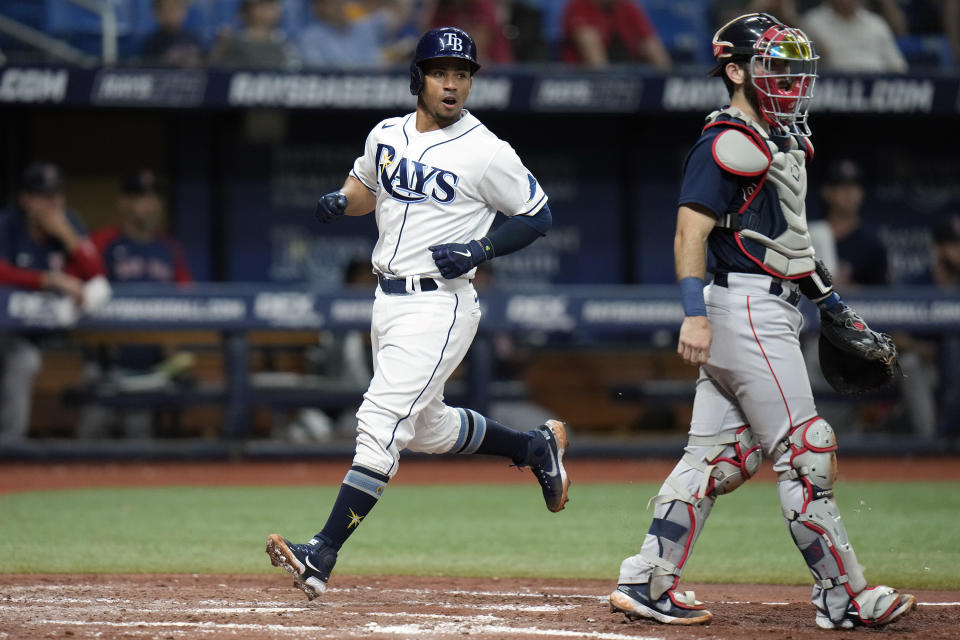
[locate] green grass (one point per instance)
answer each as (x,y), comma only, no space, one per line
(904,533)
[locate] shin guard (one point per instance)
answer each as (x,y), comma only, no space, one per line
(711,466)
(806,496)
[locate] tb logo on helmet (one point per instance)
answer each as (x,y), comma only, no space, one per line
(453,42)
(442,42)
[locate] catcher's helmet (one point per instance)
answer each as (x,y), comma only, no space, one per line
(786,69)
(442,42)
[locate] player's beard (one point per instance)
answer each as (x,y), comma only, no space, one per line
(750,93)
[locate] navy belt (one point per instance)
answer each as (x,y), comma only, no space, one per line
(776,287)
(398,287)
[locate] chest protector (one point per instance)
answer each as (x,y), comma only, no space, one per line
(771,231)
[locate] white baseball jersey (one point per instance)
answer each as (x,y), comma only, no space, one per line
(438,187)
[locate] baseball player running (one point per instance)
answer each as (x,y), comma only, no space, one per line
(742,195)
(435,179)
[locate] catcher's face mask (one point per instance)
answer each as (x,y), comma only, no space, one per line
(783,71)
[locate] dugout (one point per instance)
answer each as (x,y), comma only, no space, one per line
(244,156)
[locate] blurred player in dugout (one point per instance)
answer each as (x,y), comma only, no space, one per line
(43,246)
(135,250)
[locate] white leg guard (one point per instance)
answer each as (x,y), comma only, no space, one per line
(840,590)
(711,466)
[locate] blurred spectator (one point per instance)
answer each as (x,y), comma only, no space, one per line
(944,269)
(137,249)
(951,26)
(930,25)
(600,32)
(260,44)
(524,29)
(43,245)
(368,40)
(171,43)
(892,13)
(932,362)
(479,18)
(851,38)
(861,255)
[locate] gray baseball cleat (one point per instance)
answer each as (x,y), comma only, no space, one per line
(549,467)
(633,600)
(310,564)
(872,607)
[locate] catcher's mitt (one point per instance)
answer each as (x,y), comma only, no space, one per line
(853,357)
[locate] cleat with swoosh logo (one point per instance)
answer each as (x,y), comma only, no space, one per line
(673,607)
(310,564)
(549,469)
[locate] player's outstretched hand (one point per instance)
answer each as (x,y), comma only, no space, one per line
(330,207)
(456,259)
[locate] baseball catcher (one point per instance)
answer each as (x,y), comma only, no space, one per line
(743,196)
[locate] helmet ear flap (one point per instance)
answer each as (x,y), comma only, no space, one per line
(416,79)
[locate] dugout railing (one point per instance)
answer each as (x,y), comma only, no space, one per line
(238,321)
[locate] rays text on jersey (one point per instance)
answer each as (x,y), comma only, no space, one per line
(411,181)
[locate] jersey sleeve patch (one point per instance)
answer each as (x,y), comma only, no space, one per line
(735,152)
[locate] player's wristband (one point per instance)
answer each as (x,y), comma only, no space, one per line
(691,290)
(487,247)
(829,302)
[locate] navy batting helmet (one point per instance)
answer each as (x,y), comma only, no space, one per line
(442,42)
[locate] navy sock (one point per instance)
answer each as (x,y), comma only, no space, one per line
(359,493)
(500,440)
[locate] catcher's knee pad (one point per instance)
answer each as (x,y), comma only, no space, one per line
(710,467)
(726,461)
(813,517)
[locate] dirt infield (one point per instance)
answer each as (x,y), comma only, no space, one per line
(35,477)
(169,607)
(261,607)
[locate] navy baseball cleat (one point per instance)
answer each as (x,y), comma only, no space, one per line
(310,564)
(549,467)
(633,600)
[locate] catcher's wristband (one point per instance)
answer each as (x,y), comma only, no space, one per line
(691,290)
(830,301)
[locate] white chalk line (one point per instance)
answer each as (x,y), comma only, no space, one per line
(179,624)
(408,629)
(370,627)
(233,605)
(525,608)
